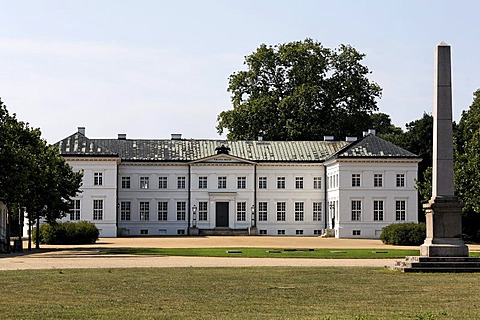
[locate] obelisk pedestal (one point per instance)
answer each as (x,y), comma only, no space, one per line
(443,212)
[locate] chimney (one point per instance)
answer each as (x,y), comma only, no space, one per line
(327,138)
(176,136)
(365,133)
(351,139)
(260,138)
(372,131)
(122,136)
(81,130)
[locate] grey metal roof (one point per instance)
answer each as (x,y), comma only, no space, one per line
(373,146)
(189,150)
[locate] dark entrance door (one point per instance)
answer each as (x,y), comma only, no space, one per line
(222,214)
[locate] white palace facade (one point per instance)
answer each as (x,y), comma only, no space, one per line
(346,189)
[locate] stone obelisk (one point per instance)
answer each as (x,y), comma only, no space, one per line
(443,212)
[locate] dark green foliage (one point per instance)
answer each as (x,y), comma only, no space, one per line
(300,91)
(404,234)
(82,232)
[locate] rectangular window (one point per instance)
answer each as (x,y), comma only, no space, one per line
(74,209)
(125,182)
(317,182)
(241,211)
(202,211)
(280,182)
(317,232)
(125,210)
(317,211)
(262,211)
(144,181)
(262,182)
(144,210)
(97,209)
(162,211)
(299,211)
(356,232)
(400,210)
(143,231)
(281,232)
(378,210)
(181,210)
(181,231)
(97,178)
(180,182)
(378,180)
(355,179)
(281,211)
(202,182)
(241,182)
(400,180)
(162,182)
(356,210)
(298,182)
(262,232)
(299,232)
(222,182)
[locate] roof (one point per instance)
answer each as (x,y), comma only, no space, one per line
(188,150)
(268,151)
(372,146)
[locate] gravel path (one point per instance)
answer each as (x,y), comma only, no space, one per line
(88,256)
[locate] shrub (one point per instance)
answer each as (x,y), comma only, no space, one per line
(82,232)
(404,234)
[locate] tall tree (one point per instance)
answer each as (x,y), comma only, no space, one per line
(300,91)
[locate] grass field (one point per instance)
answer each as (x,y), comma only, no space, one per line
(271,252)
(237,293)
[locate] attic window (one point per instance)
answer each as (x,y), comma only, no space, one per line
(222,149)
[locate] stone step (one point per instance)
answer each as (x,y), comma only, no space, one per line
(223,232)
(437,264)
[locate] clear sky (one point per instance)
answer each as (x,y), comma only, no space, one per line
(149,68)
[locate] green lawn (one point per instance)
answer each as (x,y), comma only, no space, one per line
(271,252)
(237,293)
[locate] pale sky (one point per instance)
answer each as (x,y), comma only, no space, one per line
(152,68)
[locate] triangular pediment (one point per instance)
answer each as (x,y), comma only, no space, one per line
(223,158)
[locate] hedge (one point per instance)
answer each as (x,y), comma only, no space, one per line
(404,234)
(82,232)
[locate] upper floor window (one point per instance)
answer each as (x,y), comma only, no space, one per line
(298,182)
(280,182)
(162,182)
(378,210)
(317,182)
(202,182)
(97,178)
(222,182)
(355,179)
(144,182)
(378,180)
(262,182)
(181,182)
(400,180)
(241,182)
(125,182)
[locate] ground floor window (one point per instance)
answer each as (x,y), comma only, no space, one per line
(280,232)
(281,210)
(97,209)
(317,211)
(262,232)
(400,210)
(202,210)
(125,210)
(262,211)
(144,210)
(378,210)
(299,232)
(143,231)
(75,209)
(162,211)
(241,211)
(181,210)
(356,232)
(299,211)
(356,210)
(317,232)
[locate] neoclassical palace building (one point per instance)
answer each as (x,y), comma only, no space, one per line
(138,187)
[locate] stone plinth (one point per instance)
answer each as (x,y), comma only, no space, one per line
(194,231)
(253,231)
(444,229)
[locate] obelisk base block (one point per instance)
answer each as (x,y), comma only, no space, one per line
(444,229)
